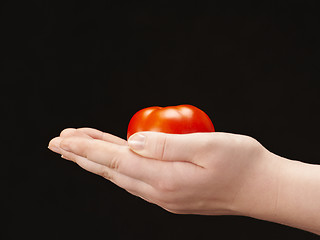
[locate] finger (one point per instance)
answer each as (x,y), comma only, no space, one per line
(69,132)
(96,134)
(54,145)
(92,133)
(169,147)
(116,157)
(131,185)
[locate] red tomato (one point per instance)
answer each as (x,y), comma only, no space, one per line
(174,119)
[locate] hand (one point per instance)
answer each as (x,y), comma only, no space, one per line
(200,173)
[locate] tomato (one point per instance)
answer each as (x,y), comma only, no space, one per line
(173,119)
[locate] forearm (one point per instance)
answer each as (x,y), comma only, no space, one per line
(290,194)
(298,203)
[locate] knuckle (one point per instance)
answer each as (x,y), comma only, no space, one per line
(64,144)
(252,141)
(161,146)
(247,141)
(164,147)
(114,163)
(105,172)
(89,149)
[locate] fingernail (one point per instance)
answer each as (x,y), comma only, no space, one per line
(54,149)
(137,141)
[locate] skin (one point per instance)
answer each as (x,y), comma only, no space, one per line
(201,173)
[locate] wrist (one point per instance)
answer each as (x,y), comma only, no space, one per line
(258,197)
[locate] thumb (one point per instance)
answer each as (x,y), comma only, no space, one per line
(166,147)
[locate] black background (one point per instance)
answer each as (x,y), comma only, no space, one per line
(254,68)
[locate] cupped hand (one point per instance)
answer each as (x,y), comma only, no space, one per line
(199,173)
